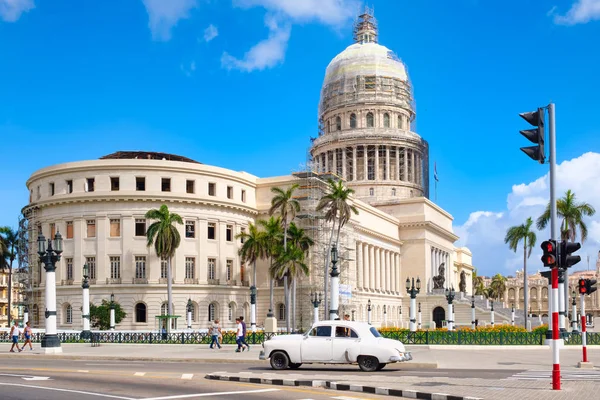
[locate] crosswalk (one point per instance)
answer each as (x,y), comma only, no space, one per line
(533,375)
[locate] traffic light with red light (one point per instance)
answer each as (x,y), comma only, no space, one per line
(589,286)
(582,286)
(550,256)
(566,259)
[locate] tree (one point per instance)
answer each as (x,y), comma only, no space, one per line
(166,239)
(478,284)
(572,214)
(272,242)
(300,240)
(513,236)
(338,209)
(498,286)
(252,249)
(100,315)
(9,241)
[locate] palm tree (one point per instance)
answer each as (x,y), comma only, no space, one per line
(513,236)
(478,284)
(272,239)
(300,240)
(166,239)
(572,214)
(498,284)
(252,249)
(8,251)
(337,210)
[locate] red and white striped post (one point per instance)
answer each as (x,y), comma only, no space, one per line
(555,332)
(583,331)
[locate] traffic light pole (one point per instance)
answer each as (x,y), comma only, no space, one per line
(583,330)
(555,332)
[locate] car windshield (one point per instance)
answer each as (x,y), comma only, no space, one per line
(374,332)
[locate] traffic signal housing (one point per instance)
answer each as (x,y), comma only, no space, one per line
(550,256)
(535,118)
(566,249)
(589,286)
(582,286)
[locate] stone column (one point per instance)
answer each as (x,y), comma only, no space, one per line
(397,177)
(365,263)
(371,267)
(344,163)
(376,162)
(398,274)
(359,267)
(354,167)
(405,177)
(334,167)
(327,161)
(366,162)
(376,284)
(393,272)
(388,271)
(387,163)
(414,180)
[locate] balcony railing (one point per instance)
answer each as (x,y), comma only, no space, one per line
(213,281)
(231,283)
(246,283)
(113,281)
(164,280)
(190,281)
(66,282)
(139,281)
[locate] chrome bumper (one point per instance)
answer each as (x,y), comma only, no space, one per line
(262,356)
(402,357)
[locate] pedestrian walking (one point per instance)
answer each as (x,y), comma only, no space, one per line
(215,331)
(15,331)
(244,333)
(27,334)
(239,335)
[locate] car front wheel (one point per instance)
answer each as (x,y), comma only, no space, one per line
(279,360)
(368,363)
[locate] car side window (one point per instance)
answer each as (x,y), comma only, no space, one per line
(321,331)
(345,332)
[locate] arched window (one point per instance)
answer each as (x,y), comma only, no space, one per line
(246,311)
(140,313)
(281,313)
(231,312)
(393,191)
(386,120)
(353,120)
(68,314)
(36,315)
(370,120)
(212,312)
(164,309)
(400,123)
(328,126)
(338,124)
(194,310)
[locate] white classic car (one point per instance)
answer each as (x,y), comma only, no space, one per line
(335,342)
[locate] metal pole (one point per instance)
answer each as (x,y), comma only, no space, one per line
(419,322)
(555,332)
(583,330)
(473,314)
(492,315)
(316,315)
(412,312)
(574,316)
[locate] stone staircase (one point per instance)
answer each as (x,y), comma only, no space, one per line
(501,311)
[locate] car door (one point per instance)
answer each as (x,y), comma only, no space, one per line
(316,344)
(345,337)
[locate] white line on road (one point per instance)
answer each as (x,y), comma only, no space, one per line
(83,370)
(67,390)
(139,374)
(28,377)
(184,396)
(187,376)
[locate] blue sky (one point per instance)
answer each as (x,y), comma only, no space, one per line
(235,83)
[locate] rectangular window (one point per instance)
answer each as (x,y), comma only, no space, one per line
(39,192)
(140,227)
(230,192)
(52,231)
(229,270)
(69,271)
(69,186)
(242,272)
(212,188)
(52,189)
(229,233)
(114,183)
(243,196)
(190,229)
(163,268)
(140,183)
(140,267)
(90,184)
(243,232)
(115,267)
(190,268)
(91,263)
(91,228)
(189,186)
(212,268)
(370,82)
(211,230)
(115,228)
(165,184)
(69,229)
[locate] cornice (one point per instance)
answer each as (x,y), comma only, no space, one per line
(430,226)
(377,235)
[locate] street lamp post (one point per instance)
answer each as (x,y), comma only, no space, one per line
(316,299)
(369,311)
(574,315)
(512,315)
(86,333)
(25,315)
(400,316)
(473,312)
(189,313)
(112,311)
(492,314)
(384,315)
(419,316)
(413,291)
(450,294)
(335,285)
(49,256)
(253,308)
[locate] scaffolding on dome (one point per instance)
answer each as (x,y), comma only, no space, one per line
(27,275)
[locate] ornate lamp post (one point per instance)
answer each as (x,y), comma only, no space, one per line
(400,316)
(384,315)
(25,315)
(413,290)
(492,313)
(316,299)
(253,308)
(49,256)
(473,312)
(540,314)
(512,315)
(335,285)
(574,316)
(450,294)
(86,333)
(189,313)
(369,311)
(419,326)
(112,311)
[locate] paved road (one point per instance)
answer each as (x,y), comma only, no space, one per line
(87,380)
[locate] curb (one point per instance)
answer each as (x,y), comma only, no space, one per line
(124,358)
(413,394)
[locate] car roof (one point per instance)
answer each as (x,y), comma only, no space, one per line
(352,324)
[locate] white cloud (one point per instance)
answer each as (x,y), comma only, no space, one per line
(165,14)
(11,10)
(189,69)
(483,232)
(581,12)
(265,54)
(210,33)
(330,12)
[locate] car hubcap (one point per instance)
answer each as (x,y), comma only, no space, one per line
(279,362)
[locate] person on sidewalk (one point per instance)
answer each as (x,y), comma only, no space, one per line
(215,331)
(27,334)
(15,331)
(244,333)
(239,335)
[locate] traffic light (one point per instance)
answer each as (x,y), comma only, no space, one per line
(582,286)
(550,257)
(535,118)
(589,286)
(566,259)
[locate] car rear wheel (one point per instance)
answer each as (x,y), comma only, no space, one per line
(279,360)
(381,366)
(295,365)
(368,363)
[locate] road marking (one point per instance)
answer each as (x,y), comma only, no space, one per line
(28,377)
(83,370)
(139,374)
(187,376)
(183,396)
(67,390)
(565,376)
(111,365)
